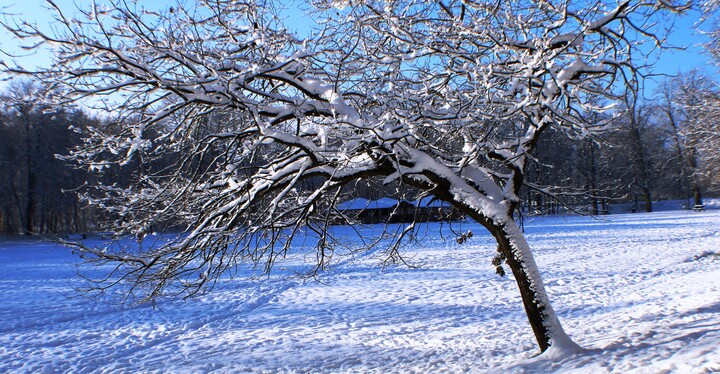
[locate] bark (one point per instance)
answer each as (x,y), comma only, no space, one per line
(593,181)
(30,204)
(541,316)
(31,180)
(641,159)
(595,206)
(648,201)
(694,184)
(697,196)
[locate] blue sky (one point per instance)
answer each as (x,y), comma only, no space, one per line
(670,62)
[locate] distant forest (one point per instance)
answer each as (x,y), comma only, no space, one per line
(652,153)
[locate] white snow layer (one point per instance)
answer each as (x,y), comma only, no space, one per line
(640,292)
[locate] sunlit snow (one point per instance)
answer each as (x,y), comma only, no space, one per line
(640,292)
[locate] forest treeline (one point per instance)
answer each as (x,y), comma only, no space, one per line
(660,148)
(37,187)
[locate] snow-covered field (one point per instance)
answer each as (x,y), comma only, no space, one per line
(641,292)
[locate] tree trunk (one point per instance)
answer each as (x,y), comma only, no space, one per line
(30,205)
(543,320)
(593,180)
(697,195)
(595,206)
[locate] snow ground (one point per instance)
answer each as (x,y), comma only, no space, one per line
(641,292)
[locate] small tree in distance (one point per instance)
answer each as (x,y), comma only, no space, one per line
(447,97)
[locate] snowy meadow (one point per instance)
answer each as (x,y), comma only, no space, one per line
(640,292)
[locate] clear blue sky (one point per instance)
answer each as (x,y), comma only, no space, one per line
(670,62)
(37,11)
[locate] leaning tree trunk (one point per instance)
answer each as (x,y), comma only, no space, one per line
(543,320)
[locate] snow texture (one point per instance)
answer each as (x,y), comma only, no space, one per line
(640,292)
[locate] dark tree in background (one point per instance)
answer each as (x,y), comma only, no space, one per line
(35,182)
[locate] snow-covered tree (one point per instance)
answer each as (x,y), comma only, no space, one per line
(447,97)
(706,128)
(641,150)
(691,111)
